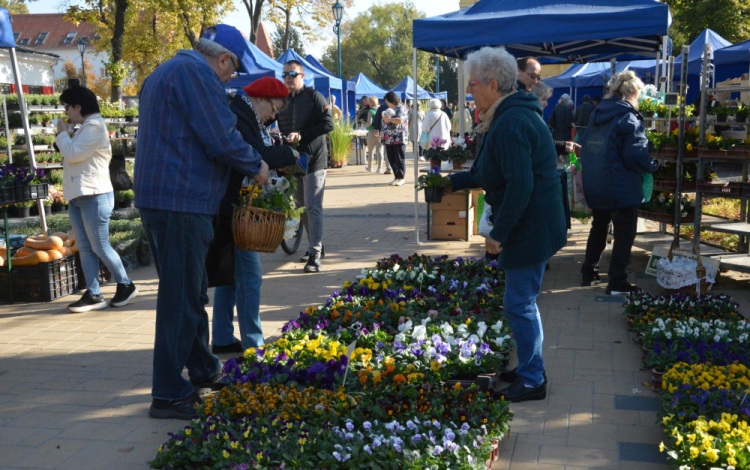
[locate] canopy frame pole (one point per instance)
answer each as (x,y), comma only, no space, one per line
(415,148)
(461,99)
(665,45)
(670,76)
(658,62)
(704,96)
(680,141)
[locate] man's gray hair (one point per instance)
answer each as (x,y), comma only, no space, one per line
(542,91)
(211,48)
(494,63)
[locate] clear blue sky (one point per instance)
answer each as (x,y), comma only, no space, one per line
(239,19)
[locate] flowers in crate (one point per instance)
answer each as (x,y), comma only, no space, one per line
(432,180)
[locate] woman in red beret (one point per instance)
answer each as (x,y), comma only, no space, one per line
(240,286)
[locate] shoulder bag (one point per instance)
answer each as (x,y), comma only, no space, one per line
(424,138)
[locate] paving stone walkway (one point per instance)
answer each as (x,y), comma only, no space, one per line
(75,389)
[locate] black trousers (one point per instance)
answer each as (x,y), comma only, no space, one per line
(625,222)
(397,158)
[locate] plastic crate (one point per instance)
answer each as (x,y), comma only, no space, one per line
(31,192)
(41,283)
(105,275)
(728,189)
(7,195)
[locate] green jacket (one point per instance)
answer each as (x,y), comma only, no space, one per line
(516,165)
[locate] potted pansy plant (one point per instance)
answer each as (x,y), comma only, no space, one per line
(433,184)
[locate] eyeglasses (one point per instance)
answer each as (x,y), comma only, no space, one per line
(236,72)
(274,109)
(473,83)
(533,76)
(290,74)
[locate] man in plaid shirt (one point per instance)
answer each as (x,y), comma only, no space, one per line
(187,143)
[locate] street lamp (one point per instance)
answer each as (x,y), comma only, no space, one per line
(82,48)
(338,13)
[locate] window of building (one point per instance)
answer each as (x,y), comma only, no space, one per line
(35,90)
(69,38)
(5,88)
(15,36)
(24,42)
(41,38)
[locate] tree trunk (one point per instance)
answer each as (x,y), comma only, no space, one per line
(287,29)
(254,12)
(121,7)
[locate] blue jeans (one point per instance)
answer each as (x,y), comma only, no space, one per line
(89,217)
(179,245)
(522,287)
(245,293)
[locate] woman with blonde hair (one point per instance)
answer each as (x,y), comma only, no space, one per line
(614,157)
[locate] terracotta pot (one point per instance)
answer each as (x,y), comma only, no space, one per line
(657,378)
(458,166)
(435,162)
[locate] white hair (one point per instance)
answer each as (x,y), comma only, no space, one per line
(542,91)
(626,84)
(564,99)
(213,49)
(435,104)
(494,63)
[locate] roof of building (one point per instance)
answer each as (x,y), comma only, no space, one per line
(26,50)
(264,42)
(60,34)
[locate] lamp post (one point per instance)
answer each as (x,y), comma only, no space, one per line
(437,75)
(338,13)
(82,48)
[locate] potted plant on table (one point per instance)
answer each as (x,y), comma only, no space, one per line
(23,209)
(47,202)
(436,153)
(433,184)
(458,153)
(58,202)
(648,107)
(341,141)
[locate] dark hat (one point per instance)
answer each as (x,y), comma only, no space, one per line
(267,87)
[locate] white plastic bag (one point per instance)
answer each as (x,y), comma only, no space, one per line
(485,222)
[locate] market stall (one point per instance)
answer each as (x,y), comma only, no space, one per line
(366,87)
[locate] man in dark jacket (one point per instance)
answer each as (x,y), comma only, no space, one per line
(305,120)
(583,114)
(614,157)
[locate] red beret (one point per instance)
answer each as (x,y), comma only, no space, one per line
(267,87)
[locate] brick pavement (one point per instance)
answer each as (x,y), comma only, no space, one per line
(74,389)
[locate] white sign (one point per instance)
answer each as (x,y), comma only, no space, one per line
(663,252)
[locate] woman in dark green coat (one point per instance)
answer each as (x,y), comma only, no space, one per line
(516,165)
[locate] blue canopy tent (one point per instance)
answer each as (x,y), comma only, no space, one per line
(366,87)
(350,101)
(316,63)
(328,85)
(259,65)
(405,90)
(732,61)
(441,95)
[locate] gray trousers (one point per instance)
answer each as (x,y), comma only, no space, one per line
(375,150)
(309,194)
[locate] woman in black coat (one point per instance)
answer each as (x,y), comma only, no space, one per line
(264,99)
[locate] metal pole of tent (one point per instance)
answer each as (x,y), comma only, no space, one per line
(7,131)
(415,149)
(680,141)
(461,99)
(702,138)
(656,75)
(665,53)
(613,67)
(26,130)
(670,75)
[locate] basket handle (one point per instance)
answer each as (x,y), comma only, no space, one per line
(252,193)
(695,247)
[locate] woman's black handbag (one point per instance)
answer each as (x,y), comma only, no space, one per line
(220,258)
(118,175)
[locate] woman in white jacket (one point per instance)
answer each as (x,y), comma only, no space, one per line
(86,185)
(437,124)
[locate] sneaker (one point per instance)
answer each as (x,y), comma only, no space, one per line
(620,289)
(519,392)
(382,172)
(387,172)
(125,293)
(214,383)
(235,347)
(392,183)
(398,183)
(175,409)
(510,376)
(313,264)
(367,169)
(307,255)
(88,302)
(422,159)
(591,279)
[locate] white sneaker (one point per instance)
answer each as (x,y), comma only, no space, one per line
(381,171)
(367,169)
(398,183)
(393,183)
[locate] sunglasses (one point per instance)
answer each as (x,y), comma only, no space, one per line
(290,74)
(236,72)
(534,76)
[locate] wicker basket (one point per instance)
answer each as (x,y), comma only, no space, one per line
(256,229)
(700,272)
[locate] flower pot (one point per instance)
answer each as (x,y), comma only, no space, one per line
(494,454)
(458,166)
(125,204)
(435,162)
(338,164)
(740,117)
(721,118)
(648,114)
(33,210)
(22,212)
(657,378)
(57,207)
(644,354)
(433,194)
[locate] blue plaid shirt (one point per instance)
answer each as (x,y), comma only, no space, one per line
(187,139)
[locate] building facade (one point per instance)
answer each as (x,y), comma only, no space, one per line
(36,69)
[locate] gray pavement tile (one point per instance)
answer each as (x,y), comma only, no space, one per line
(636,452)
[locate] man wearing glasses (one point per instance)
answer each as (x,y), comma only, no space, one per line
(305,121)
(187,143)
(529,73)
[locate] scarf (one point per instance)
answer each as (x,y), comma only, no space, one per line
(263,131)
(485,118)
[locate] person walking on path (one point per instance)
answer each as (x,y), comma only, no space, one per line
(516,166)
(543,92)
(446,109)
(305,120)
(582,115)
(614,157)
(529,73)
(561,120)
(262,101)
(436,124)
(187,143)
(395,135)
(86,184)
(377,125)
(415,124)
(374,147)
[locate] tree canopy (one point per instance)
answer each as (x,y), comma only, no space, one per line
(378,43)
(295,41)
(15,7)
(728,18)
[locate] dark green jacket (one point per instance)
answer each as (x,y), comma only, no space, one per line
(516,165)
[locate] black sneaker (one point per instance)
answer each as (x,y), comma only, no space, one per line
(305,258)
(519,392)
(125,293)
(511,376)
(591,279)
(175,409)
(87,303)
(620,289)
(214,383)
(235,347)
(313,264)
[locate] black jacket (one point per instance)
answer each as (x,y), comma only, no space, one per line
(377,121)
(307,113)
(583,114)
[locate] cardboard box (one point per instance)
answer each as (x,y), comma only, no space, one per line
(476,195)
(724,96)
(448,232)
(456,201)
(448,217)
(451,224)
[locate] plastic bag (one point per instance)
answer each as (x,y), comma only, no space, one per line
(578,207)
(485,221)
